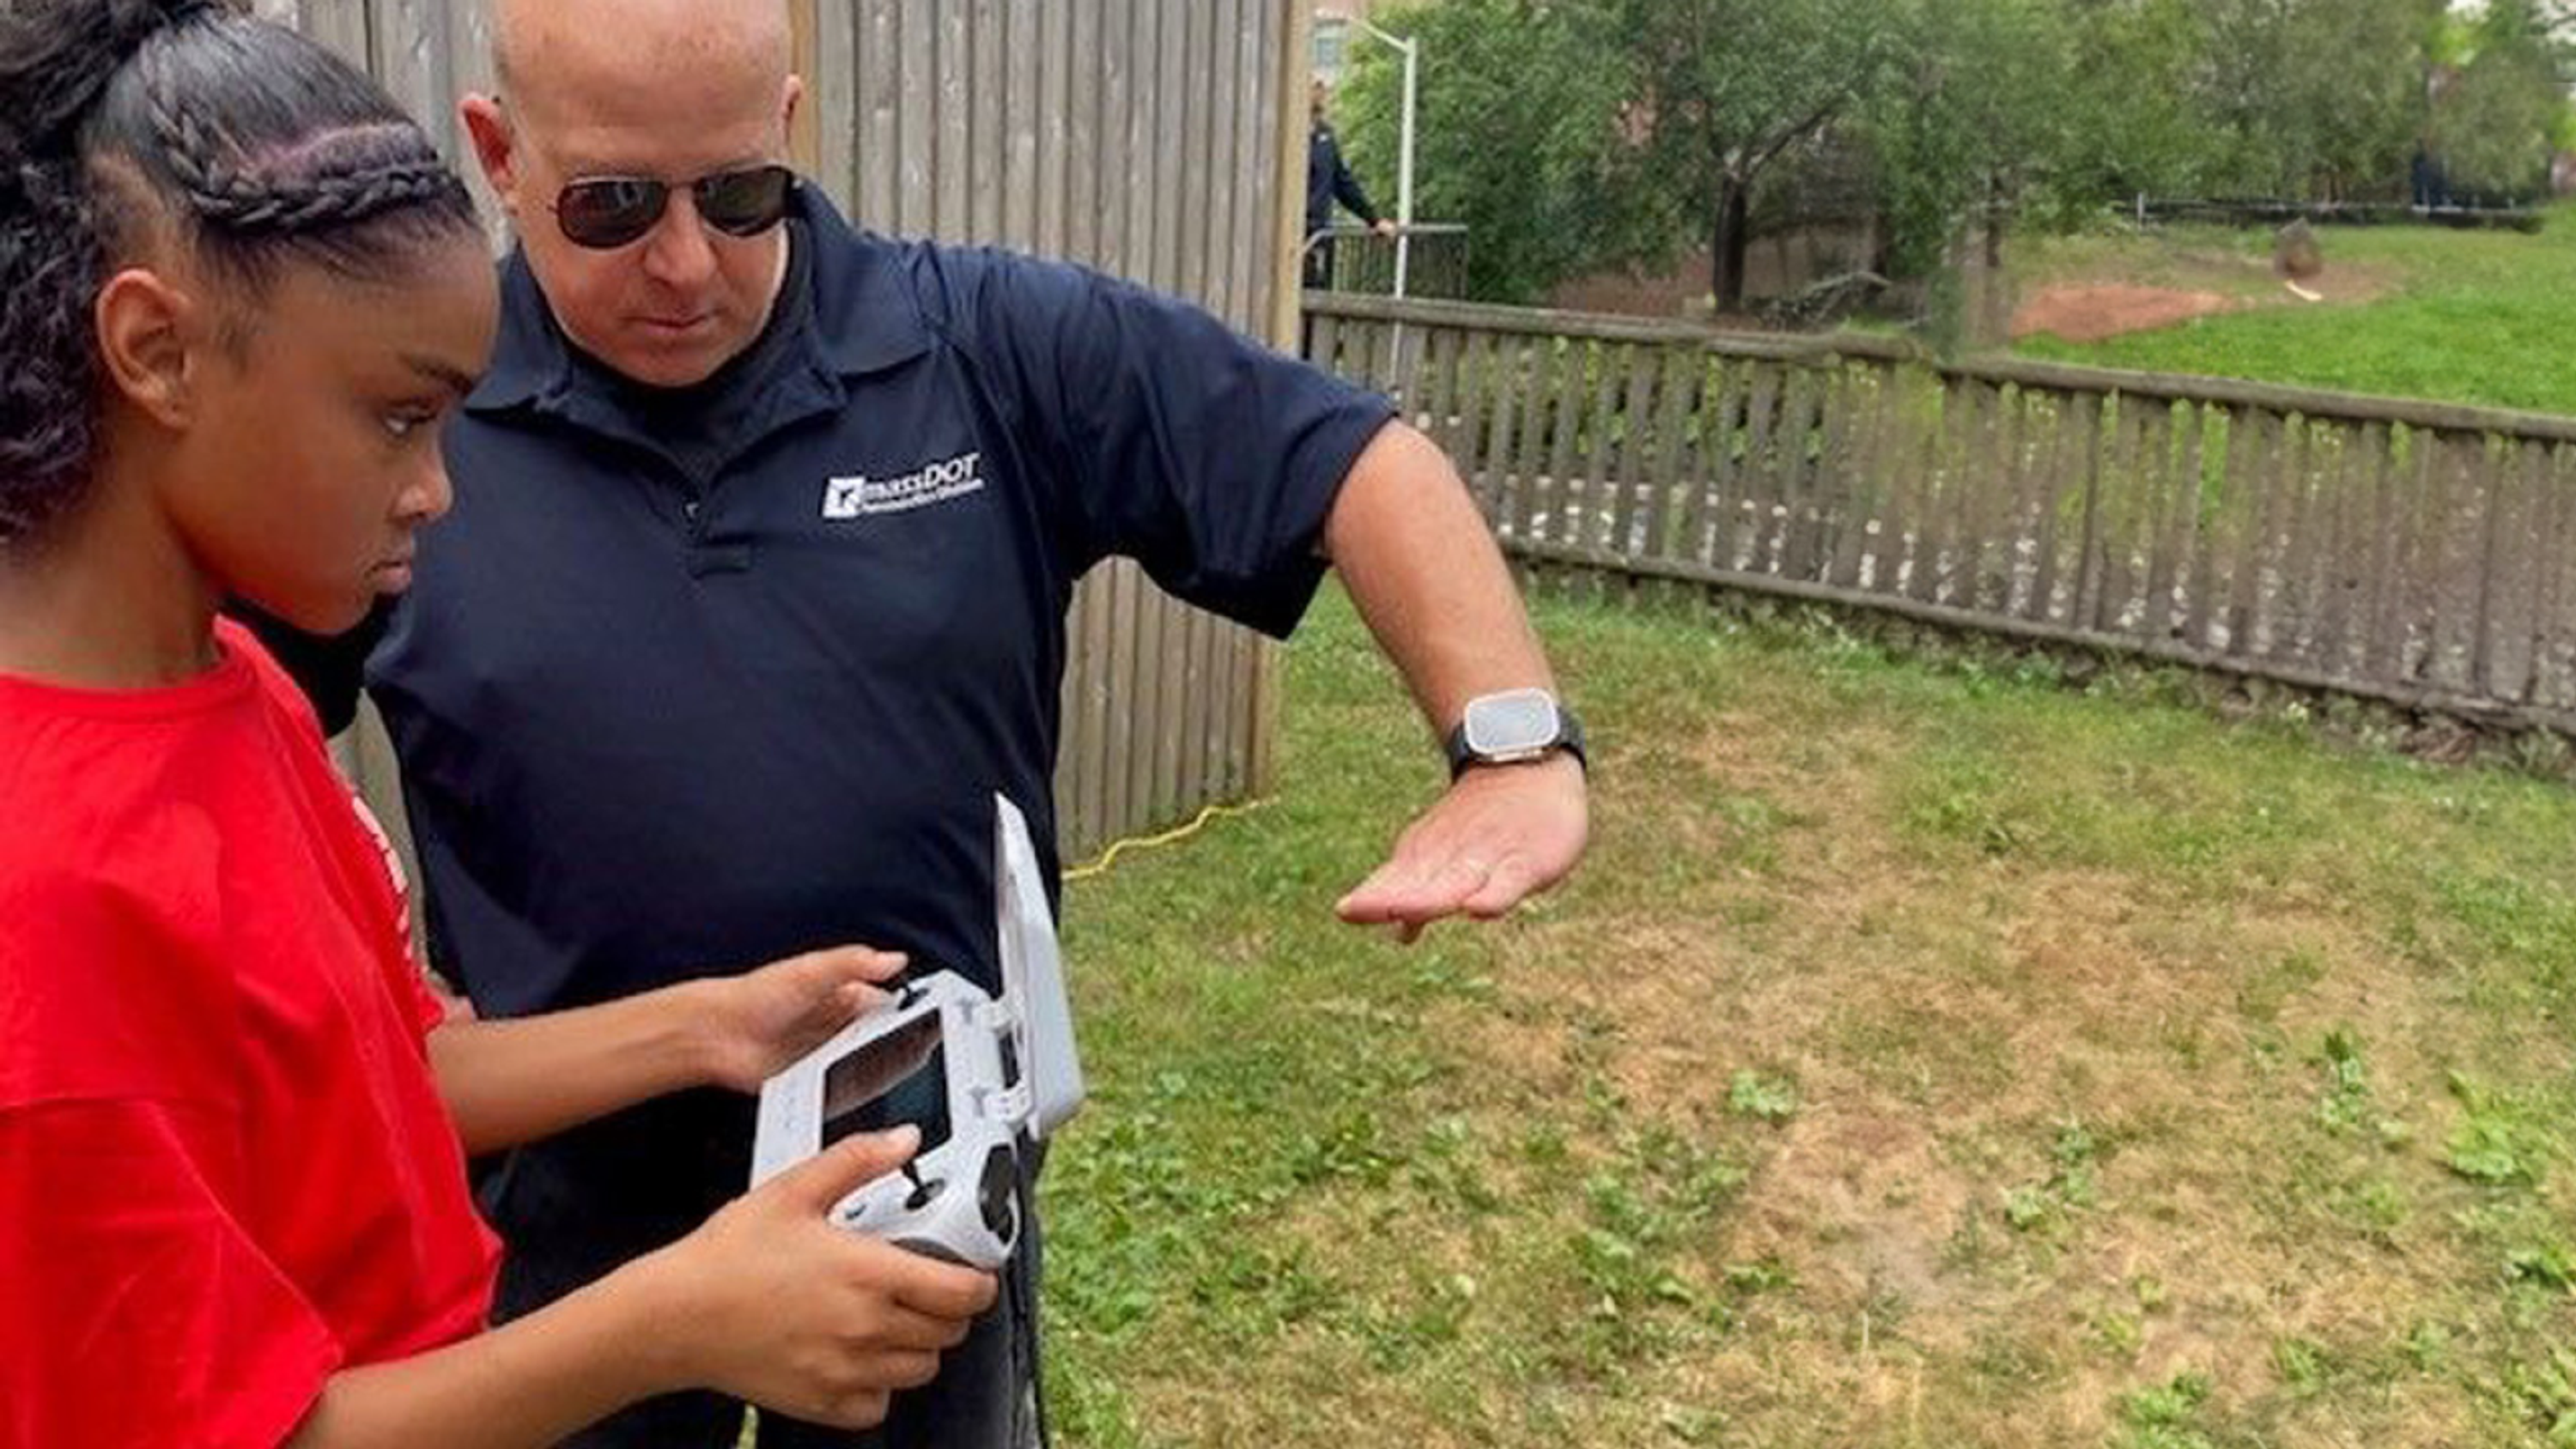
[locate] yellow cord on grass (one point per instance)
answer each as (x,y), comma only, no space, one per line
(1109,857)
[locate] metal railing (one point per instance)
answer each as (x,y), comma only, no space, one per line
(1428,258)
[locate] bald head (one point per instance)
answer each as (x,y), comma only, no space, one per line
(550,51)
(667,91)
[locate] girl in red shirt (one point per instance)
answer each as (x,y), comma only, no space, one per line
(238,293)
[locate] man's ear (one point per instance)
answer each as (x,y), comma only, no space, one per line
(795,92)
(487,127)
(152,338)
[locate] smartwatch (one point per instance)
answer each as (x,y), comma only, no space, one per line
(1511,727)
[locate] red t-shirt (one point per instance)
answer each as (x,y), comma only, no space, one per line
(225,1171)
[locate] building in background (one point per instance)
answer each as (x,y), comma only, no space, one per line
(1334,31)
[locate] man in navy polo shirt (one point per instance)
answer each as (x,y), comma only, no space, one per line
(754,594)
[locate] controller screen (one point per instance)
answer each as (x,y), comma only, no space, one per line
(899,1077)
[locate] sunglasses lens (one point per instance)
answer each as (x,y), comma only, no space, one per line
(611,211)
(745,203)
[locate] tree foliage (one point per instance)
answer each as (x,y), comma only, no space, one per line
(1974,121)
(2322,99)
(2501,105)
(1708,123)
(1574,135)
(1516,137)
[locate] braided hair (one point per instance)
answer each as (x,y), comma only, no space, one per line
(125,119)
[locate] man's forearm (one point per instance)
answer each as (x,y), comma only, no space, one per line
(513,1081)
(1432,585)
(1428,578)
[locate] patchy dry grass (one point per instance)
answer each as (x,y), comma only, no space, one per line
(1925,1056)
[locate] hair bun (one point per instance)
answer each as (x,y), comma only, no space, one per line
(132,22)
(56,59)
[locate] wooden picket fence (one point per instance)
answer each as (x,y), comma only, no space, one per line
(2408,552)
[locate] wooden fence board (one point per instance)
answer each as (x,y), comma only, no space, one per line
(1822,476)
(2447,595)
(1561,503)
(1528,455)
(1755,496)
(1857,504)
(2553,622)
(1593,489)
(2336,577)
(1635,459)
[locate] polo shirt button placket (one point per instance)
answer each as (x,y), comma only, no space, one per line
(706,558)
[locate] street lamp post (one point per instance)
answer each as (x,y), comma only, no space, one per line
(1411,50)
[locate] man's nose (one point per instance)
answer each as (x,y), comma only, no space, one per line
(677,253)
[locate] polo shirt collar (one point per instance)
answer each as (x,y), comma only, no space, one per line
(865,316)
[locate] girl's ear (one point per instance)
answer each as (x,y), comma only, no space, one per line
(151,336)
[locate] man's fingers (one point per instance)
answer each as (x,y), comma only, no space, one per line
(1369,901)
(1410,907)
(1413,888)
(1505,885)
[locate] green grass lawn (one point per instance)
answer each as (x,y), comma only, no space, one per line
(1925,1056)
(2461,316)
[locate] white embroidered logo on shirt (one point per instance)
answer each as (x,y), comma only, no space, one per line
(845,498)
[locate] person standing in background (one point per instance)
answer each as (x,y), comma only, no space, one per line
(1328,180)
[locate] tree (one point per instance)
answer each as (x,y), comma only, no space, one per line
(2313,99)
(2130,125)
(1974,120)
(1574,135)
(2369,112)
(1517,129)
(1723,88)
(2499,111)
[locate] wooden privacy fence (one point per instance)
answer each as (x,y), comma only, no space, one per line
(1160,140)
(2410,552)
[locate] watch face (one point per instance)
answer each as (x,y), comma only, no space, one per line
(1510,723)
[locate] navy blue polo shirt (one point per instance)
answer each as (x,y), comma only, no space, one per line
(665,709)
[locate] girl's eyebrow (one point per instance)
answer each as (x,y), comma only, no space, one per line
(457,382)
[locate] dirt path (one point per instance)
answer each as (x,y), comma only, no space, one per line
(2097,308)
(2099,313)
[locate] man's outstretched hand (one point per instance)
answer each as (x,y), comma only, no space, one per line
(1502,834)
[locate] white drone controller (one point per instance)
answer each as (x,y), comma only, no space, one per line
(977,1074)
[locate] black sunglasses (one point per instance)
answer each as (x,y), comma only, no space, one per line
(607,212)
